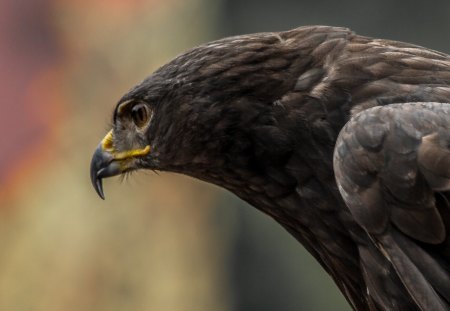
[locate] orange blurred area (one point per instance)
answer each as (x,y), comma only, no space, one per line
(38,129)
(30,113)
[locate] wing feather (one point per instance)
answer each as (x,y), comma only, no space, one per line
(392,166)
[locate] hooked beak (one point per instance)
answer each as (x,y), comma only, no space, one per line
(107,162)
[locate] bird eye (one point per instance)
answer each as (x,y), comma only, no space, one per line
(140,115)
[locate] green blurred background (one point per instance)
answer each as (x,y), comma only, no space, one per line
(159,243)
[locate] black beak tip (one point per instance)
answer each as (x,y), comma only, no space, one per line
(99,188)
(97,182)
(97,165)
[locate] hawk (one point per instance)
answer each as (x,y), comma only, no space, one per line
(343,139)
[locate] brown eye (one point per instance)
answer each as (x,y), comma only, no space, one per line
(140,115)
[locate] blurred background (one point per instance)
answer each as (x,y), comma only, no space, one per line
(159,243)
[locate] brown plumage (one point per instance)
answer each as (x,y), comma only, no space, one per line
(342,139)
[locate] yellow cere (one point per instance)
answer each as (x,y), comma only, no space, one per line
(107,145)
(107,142)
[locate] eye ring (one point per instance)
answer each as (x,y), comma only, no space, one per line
(140,114)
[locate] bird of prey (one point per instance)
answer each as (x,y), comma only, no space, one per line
(343,139)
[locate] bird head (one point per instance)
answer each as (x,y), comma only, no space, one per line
(161,126)
(210,111)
